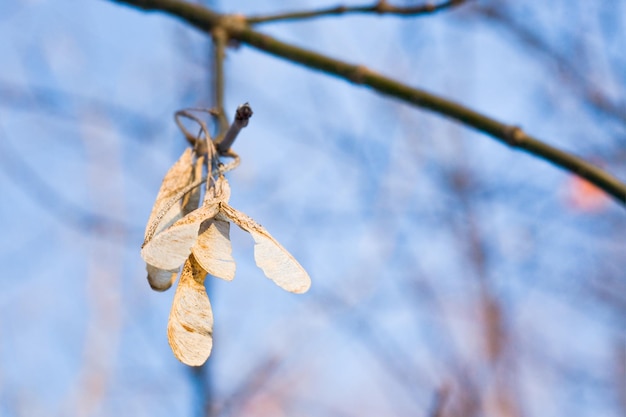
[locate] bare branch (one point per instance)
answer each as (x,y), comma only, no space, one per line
(380,7)
(206,20)
(220,38)
(242,115)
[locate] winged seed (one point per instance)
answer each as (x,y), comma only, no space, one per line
(190,326)
(277,264)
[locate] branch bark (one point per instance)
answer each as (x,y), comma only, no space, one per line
(380,7)
(237,29)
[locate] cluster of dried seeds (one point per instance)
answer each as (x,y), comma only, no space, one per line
(184,232)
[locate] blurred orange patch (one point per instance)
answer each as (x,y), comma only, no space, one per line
(584,196)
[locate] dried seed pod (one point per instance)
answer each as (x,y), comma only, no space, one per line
(165,213)
(191,201)
(277,264)
(169,248)
(213,250)
(190,326)
(179,232)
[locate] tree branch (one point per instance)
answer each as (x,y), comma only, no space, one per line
(220,38)
(380,7)
(236,27)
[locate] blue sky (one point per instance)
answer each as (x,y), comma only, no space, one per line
(360,189)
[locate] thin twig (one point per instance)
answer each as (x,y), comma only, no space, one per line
(380,7)
(221,145)
(206,20)
(220,38)
(242,116)
(191,138)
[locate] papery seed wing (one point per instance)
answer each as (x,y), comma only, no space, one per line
(160,279)
(191,200)
(213,250)
(277,264)
(218,190)
(190,326)
(169,249)
(178,176)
